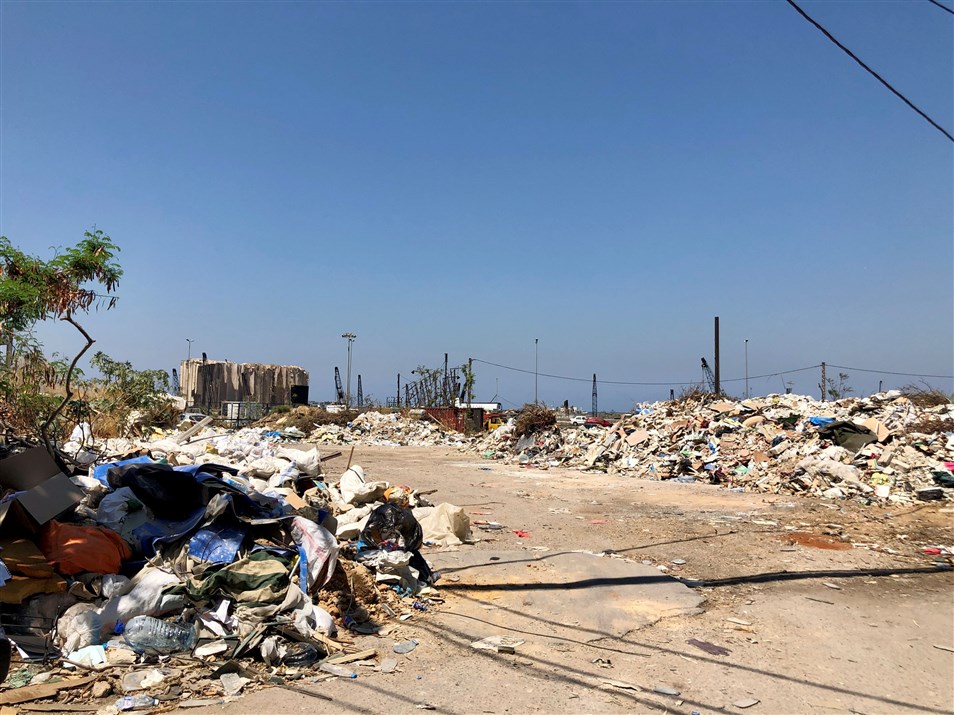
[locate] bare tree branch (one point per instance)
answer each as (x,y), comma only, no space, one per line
(69,389)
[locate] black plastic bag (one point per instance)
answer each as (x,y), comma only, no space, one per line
(391,528)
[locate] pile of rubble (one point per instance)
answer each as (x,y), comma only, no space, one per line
(412,428)
(870,448)
(179,569)
(389,430)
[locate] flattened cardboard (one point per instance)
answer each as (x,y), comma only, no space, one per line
(43,491)
(28,469)
(51,498)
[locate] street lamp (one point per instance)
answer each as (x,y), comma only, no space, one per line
(190,341)
(747,395)
(350,338)
(536,365)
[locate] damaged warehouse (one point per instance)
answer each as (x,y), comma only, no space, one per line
(209,383)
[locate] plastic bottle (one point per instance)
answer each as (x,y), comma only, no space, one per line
(149,635)
(135,702)
(338,670)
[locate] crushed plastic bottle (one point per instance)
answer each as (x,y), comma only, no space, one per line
(135,702)
(150,636)
(338,670)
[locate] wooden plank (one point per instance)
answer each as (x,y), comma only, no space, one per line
(183,437)
(38,692)
(352,657)
(57,708)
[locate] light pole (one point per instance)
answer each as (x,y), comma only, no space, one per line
(747,368)
(536,365)
(190,341)
(350,338)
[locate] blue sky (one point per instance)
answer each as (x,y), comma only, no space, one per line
(467,177)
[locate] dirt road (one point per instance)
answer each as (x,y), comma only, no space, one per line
(805,606)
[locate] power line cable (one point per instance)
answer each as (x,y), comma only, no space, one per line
(670,383)
(888,372)
(943,7)
(874,74)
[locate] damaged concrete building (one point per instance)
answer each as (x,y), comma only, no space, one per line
(213,383)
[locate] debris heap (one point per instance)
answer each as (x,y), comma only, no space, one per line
(182,568)
(389,430)
(882,447)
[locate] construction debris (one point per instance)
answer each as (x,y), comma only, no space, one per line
(878,448)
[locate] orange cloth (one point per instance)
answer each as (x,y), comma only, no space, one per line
(31,572)
(75,549)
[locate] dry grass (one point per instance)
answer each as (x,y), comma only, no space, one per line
(694,393)
(931,425)
(533,418)
(305,418)
(924,395)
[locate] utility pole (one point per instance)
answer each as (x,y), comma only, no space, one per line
(536,365)
(718,386)
(398,402)
(747,395)
(824,383)
(470,382)
(350,338)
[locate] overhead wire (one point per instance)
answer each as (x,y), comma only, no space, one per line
(888,372)
(629,382)
(874,74)
(943,7)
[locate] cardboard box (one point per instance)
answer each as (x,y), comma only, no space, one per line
(43,492)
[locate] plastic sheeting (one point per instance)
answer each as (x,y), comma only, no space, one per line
(444,524)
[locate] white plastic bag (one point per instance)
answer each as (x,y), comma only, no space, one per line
(114,507)
(264,467)
(146,597)
(308,463)
(356,490)
(79,626)
(321,549)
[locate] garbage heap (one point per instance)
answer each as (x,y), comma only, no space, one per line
(178,572)
(389,430)
(877,448)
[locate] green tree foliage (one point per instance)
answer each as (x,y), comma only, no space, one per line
(470,380)
(60,288)
(120,390)
(840,389)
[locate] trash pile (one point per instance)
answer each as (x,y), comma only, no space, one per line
(878,448)
(178,570)
(388,430)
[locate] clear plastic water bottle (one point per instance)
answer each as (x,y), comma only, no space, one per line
(338,670)
(135,702)
(149,635)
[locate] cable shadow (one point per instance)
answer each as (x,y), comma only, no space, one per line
(361,706)
(442,631)
(684,654)
(800,575)
(691,583)
(549,555)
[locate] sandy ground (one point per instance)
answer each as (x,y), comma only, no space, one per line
(835,608)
